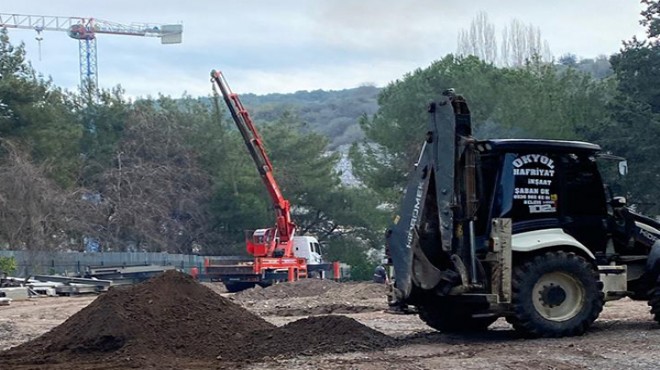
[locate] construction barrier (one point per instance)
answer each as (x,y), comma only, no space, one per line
(40,262)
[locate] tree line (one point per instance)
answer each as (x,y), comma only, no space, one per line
(98,170)
(527,97)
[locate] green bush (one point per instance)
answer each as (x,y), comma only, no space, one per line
(353,252)
(7,265)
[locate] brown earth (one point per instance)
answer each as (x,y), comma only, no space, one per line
(313,336)
(623,337)
(173,317)
(329,297)
(300,288)
(25,320)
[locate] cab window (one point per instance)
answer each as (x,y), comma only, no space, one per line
(583,192)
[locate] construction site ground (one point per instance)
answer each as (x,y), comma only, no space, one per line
(623,337)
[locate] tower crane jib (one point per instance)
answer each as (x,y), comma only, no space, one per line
(85,30)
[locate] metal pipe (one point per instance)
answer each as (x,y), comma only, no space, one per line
(421,153)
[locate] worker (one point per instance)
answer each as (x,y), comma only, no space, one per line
(380,275)
(194,272)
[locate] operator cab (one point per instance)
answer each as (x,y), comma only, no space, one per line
(543,184)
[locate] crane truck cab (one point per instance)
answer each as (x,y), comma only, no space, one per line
(521,229)
(309,248)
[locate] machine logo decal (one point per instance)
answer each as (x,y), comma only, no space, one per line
(415,213)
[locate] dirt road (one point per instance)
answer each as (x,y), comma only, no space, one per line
(623,337)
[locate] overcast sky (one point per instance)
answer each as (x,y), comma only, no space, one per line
(290,45)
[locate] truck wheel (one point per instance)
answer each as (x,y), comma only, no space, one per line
(654,301)
(556,294)
(235,287)
(451,318)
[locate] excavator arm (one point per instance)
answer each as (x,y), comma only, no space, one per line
(431,234)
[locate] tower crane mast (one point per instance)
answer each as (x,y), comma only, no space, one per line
(85,30)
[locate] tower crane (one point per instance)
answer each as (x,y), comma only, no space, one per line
(85,30)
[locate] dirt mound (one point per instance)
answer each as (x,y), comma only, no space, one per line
(292,299)
(313,287)
(315,335)
(363,290)
(172,320)
(170,315)
(219,288)
(321,309)
(299,288)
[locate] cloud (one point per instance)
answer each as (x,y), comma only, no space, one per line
(289,45)
(295,79)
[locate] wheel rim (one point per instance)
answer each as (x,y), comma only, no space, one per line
(558,296)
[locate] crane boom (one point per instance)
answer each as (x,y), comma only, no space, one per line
(279,254)
(85,28)
(38,22)
(284,225)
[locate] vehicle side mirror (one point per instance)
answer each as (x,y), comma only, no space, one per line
(618,202)
(623,168)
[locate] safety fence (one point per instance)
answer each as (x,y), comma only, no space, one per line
(43,262)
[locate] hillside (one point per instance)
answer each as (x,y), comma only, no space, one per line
(334,114)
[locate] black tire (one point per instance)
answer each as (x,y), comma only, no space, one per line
(448,317)
(235,287)
(555,294)
(654,301)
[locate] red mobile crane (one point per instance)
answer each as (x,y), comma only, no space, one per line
(279,255)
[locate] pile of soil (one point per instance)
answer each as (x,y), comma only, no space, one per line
(299,288)
(313,336)
(172,318)
(217,287)
(360,291)
(296,309)
(170,315)
(292,299)
(313,287)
